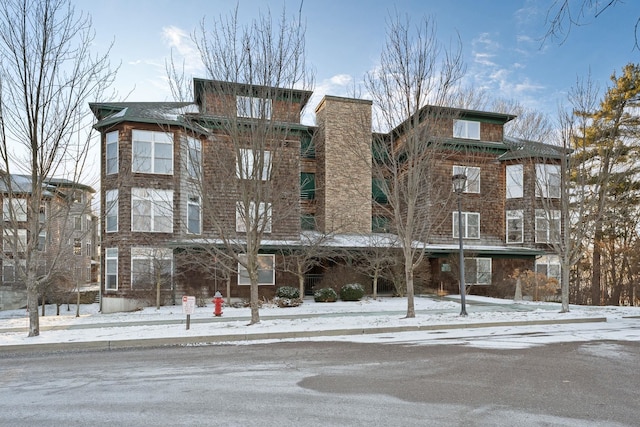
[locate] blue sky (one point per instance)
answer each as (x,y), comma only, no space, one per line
(501,39)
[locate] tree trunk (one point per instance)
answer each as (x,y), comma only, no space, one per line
(32,305)
(596,270)
(375,285)
(408,273)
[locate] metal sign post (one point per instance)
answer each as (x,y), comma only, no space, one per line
(188,308)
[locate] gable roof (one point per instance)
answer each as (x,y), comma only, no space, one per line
(525,149)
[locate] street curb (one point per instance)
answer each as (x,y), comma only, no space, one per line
(211,339)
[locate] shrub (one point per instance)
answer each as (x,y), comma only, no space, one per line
(288,296)
(351,292)
(325,295)
(287,292)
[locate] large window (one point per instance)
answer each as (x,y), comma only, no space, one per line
(379,224)
(111,269)
(379,190)
(194,157)
(548,181)
(152,152)
(112,152)
(253,164)
(472,184)
(111,211)
(194,215)
(549,265)
(466,129)
(151,210)
(14,209)
(470,225)
(307,147)
(307,186)
(263,216)
(515,226)
(150,265)
(266,272)
(256,108)
(477,271)
(15,239)
(547,226)
(308,222)
(514,181)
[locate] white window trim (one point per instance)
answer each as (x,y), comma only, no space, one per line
(544,172)
(466,129)
(194,200)
(112,163)
(547,218)
(17,206)
(194,165)
(253,107)
(152,154)
(9,239)
(515,181)
(151,255)
(243,276)
(264,214)
(160,206)
(465,225)
(246,160)
(548,261)
(512,215)
(111,210)
(472,183)
(110,256)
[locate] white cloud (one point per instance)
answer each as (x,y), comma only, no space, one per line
(178,40)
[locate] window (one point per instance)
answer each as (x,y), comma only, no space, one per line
(547,226)
(194,159)
(263,217)
(148,265)
(548,181)
(470,225)
(379,224)
(253,164)
(77,223)
(152,152)
(256,108)
(10,243)
(9,272)
(111,211)
(152,210)
(379,188)
(42,241)
(514,181)
(308,222)
(112,152)
(515,226)
(549,265)
(472,184)
(477,271)
(87,247)
(194,215)
(77,246)
(111,269)
(307,147)
(466,129)
(266,272)
(14,209)
(307,186)
(42,215)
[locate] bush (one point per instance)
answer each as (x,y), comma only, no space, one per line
(351,292)
(325,295)
(288,292)
(288,296)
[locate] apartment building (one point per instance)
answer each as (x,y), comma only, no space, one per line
(173,180)
(62,243)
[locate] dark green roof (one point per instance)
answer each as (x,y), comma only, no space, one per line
(524,149)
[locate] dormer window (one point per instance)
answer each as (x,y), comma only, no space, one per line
(466,129)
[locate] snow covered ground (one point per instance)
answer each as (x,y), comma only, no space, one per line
(386,312)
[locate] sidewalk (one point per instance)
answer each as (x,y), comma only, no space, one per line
(167,326)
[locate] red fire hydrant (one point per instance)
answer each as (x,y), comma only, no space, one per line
(217,300)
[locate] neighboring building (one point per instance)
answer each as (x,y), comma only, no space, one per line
(64,246)
(150,206)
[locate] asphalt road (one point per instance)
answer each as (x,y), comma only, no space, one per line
(326,384)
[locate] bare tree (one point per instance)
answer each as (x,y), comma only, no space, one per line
(257,87)
(48,76)
(412,83)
